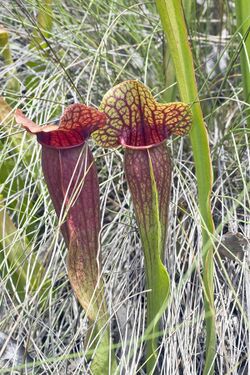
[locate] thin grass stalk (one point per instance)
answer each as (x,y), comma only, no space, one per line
(12,145)
(187,9)
(26,271)
(174,26)
(44,25)
(243,25)
(17,262)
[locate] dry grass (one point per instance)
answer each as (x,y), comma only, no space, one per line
(93,46)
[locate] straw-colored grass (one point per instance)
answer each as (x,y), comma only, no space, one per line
(92,46)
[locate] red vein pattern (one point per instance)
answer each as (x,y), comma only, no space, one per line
(137,170)
(70,174)
(72,182)
(135,119)
(76,124)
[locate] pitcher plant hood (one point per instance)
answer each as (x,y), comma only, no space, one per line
(135,119)
(76,124)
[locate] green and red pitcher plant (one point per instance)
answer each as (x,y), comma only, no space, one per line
(70,174)
(138,123)
(129,117)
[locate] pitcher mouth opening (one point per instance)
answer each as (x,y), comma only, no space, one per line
(145,147)
(61,148)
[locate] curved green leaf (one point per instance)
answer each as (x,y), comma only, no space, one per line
(174,26)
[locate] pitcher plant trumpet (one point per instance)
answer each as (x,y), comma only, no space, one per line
(138,123)
(71,176)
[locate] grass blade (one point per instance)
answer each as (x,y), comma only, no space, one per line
(174,26)
(44,25)
(243,25)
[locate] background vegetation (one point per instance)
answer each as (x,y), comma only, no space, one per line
(89,47)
